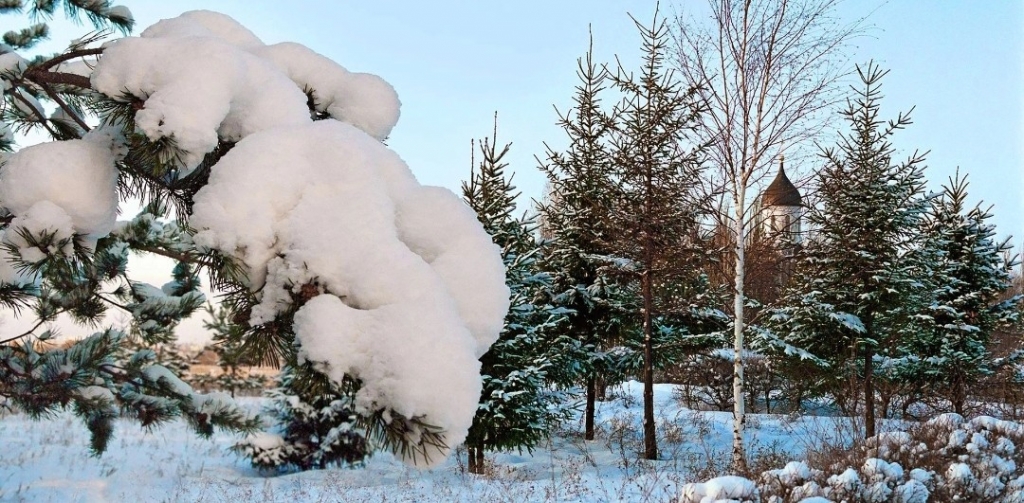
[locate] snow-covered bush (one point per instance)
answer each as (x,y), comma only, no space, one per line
(947,458)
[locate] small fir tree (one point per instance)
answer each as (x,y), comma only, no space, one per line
(574,220)
(311,430)
(234,362)
(860,281)
(518,405)
(971,271)
(658,243)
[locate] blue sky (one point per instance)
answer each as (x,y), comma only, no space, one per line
(456,62)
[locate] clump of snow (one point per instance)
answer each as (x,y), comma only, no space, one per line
(911,491)
(198,91)
(413,289)
(79,177)
(846,484)
(204,24)
(120,12)
(42,218)
(205,78)
(12,66)
(30,108)
(159,373)
(729,488)
(361,99)
(947,421)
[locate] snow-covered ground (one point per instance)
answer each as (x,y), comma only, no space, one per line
(48,461)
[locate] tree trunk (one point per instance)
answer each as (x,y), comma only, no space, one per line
(650,438)
(476,459)
(869,393)
(739,456)
(958,392)
(588,413)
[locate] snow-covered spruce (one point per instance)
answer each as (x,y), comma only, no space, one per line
(311,430)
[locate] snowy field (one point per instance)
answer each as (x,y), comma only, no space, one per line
(48,461)
(947,458)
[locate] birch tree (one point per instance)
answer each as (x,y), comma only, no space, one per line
(766,69)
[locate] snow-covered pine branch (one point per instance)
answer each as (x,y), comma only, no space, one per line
(331,250)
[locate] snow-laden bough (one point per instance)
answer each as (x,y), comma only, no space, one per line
(411,289)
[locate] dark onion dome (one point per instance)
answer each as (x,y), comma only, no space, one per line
(782,192)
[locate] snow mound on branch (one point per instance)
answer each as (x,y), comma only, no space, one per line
(412,288)
(204,23)
(392,283)
(205,78)
(41,218)
(361,99)
(78,178)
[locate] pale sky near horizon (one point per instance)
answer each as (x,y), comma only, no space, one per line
(455,62)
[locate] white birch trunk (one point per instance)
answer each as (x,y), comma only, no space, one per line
(739,458)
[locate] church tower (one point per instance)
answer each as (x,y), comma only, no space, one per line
(781,207)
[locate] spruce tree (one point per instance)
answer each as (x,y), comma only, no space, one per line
(519,404)
(657,211)
(311,430)
(971,272)
(860,281)
(227,342)
(575,221)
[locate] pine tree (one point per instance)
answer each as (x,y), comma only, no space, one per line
(575,220)
(119,127)
(311,431)
(970,272)
(656,211)
(860,282)
(52,272)
(519,404)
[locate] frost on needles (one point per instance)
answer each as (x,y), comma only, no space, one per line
(328,250)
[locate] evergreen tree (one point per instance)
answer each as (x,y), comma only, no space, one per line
(861,281)
(518,405)
(233,360)
(575,221)
(970,272)
(52,272)
(119,127)
(312,430)
(656,212)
